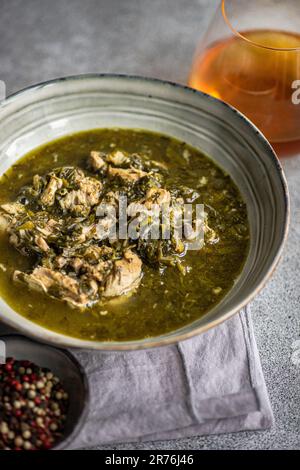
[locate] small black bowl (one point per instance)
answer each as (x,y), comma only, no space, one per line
(64,365)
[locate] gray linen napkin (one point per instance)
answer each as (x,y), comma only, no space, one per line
(209,384)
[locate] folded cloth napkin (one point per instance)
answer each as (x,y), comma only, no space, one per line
(209,384)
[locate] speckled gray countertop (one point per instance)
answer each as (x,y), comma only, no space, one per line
(50,38)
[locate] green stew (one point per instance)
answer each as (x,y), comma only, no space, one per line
(65,262)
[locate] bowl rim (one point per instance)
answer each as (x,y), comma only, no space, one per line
(65,441)
(60,340)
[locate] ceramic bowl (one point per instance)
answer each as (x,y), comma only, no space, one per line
(66,368)
(53,109)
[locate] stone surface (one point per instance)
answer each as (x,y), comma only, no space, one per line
(43,40)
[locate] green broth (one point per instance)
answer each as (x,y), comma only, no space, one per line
(164,301)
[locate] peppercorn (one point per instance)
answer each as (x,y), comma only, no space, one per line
(31,394)
(26,434)
(19,441)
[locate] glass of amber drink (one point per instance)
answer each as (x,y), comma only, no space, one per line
(250,58)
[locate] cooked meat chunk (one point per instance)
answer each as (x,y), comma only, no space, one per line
(48,196)
(37,182)
(42,244)
(80,201)
(130,175)
(54,284)
(157,196)
(75,202)
(96,161)
(118,158)
(9,214)
(13,208)
(60,262)
(162,166)
(126,275)
(49,227)
(77,264)
(4,223)
(91,187)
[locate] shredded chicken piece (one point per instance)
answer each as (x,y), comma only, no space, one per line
(48,228)
(4,223)
(13,208)
(55,284)
(91,187)
(37,181)
(60,262)
(48,196)
(126,275)
(130,174)
(42,244)
(118,158)
(96,161)
(77,264)
(89,266)
(88,195)
(157,196)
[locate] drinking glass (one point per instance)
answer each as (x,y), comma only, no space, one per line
(250,58)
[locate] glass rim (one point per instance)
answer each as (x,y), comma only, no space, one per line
(257,44)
